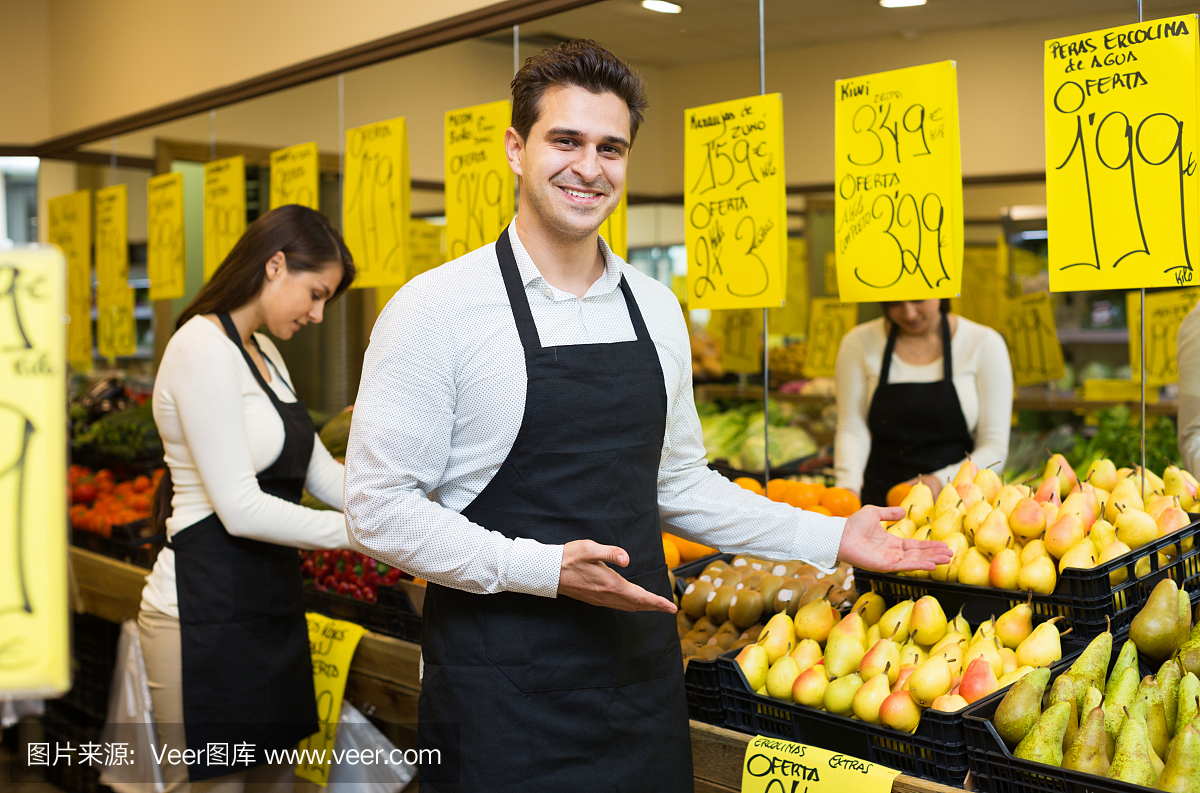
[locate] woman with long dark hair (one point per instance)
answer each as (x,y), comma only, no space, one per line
(917,391)
(222,616)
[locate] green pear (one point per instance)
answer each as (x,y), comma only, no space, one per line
(869,697)
(1044,742)
(1127,658)
(1021,707)
(1168,678)
(1063,690)
(1182,771)
(1183,628)
(1116,704)
(839,694)
(1153,629)
(1091,666)
(1131,763)
(1148,706)
(1088,753)
(896,621)
(1189,701)
(1189,656)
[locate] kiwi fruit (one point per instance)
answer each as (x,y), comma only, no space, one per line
(752,632)
(757,564)
(753,580)
(683,620)
(814,592)
(785,596)
(695,598)
(728,627)
(730,577)
(739,561)
(769,587)
(707,625)
(709,652)
(700,638)
(724,640)
(746,608)
(785,569)
(740,643)
(688,647)
(717,608)
(715,567)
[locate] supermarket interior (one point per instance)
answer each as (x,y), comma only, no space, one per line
(926,490)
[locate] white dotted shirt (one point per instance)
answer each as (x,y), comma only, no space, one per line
(442,397)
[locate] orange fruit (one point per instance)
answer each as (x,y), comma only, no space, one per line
(747,483)
(897,494)
(671,552)
(840,501)
(778,489)
(689,551)
(806,495)
(821,510)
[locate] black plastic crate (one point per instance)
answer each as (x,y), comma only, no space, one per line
(694,568)
(996,770)
(938,750)
(392,615)
(93,658)
(702,684)
(128,542)
(1085,597)
(65,726)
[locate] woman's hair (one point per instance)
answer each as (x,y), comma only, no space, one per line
(306,238)
(310,243)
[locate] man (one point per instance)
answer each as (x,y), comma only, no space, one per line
(539,390)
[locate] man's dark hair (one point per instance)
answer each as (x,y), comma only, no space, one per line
(582,63)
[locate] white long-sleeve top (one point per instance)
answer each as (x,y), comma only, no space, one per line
(1187,360)
(982,378)
(219,429)
(442,397)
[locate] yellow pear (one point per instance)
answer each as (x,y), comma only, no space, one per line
(911,654)
(1008,497)
(1112,551)
(974,568)
(946,501)
(1002,573)
(918,503)
(989,652)
(989,483)
(753,661)
(807,653)
(1058,466)
(953,637)
(975,517)
(1050,511)
(970,493)
(1082,555)
(1027,520)
(872,635)
(1135,528)
(959,546)
(781,676)
(809,688)
(928,621)
(993,536)
(1102,473)
(843,653)
(1063,533)
(966,473)
(930,680)
(894,624)
(1124,498)
(1077,504)
(778,637)
(1102,534)
(871,606)
(1038,575)
(946,523)
(1015,625)
(954,655)
(1033,548)
(882,658)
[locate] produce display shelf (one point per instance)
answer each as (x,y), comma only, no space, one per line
(393,614)
(938,750)
(1087,598)
(996,770)
(126,542)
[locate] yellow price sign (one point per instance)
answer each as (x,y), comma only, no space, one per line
(166,252)
(224,209)
(296,176)
(377,203)
(984,286)
(1164,312)
(115,329)
(734,201)
(71,230)
(774,766)
(615,228)
(1121,175)
(33,466)
(829,319)
(739,334)
(426,250)
(1032,338)
(332,643)
(898,173)
(793,317)
(1108,390)
(480,187)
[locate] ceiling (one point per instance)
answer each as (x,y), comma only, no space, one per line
(718,30)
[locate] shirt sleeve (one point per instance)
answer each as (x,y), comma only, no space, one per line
(701,505)
(207,394)
(852,441)
(398,450)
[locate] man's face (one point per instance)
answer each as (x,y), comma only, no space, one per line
(572,166)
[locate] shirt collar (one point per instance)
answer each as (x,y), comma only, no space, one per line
(529,271)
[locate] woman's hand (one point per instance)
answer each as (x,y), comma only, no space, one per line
(865,544)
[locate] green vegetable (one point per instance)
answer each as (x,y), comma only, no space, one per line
(1119,438)
(787,444)
(128,435)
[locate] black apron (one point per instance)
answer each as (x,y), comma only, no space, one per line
(526,693)
(916,428)
(246,664)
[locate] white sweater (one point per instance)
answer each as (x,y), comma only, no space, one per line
(219,429)
(982,378)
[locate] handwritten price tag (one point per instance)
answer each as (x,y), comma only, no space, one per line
(615,228)
(166,253)
(295,176)
(332,643)
(71,230)
(774,766)
(33,568)
(898,171)
(1164,312)
(739,334)
(480,187)
(829,320)
(224,209)
(378,200)
(734,203)
(426,250)
(793,317)
(1032,339)
(1121,181)
(114,297)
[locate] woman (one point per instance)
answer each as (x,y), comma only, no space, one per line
(222,616)
(909,412)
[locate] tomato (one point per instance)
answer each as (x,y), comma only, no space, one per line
(141,484)
(83,493)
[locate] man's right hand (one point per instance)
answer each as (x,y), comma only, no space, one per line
(586,576)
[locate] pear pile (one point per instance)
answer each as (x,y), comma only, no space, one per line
(1012,537)
(1143,730)
(887,665)
(725,606)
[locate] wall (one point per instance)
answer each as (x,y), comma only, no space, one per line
(24,71)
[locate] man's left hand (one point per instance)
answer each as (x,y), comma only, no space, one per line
(865,544)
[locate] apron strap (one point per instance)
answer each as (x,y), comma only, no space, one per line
(947,353)
(235,337)
(635,313)
(887,355)
(516,293)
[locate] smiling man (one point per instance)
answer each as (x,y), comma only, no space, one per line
(539,391)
